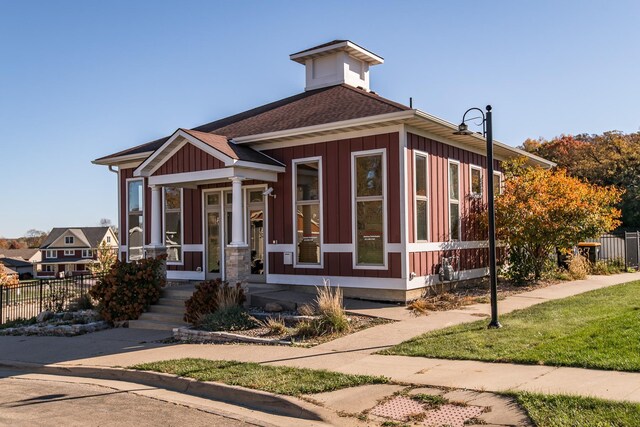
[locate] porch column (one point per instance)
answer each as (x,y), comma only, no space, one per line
(237,232)
(156,213)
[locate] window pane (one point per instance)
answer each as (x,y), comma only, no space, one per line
(256,240)
(308,234)
(421,176)
(307,181)
(497,183)
(369,175)
(135,196)
(454,221)
(173,236)
(229,197)
(213,199)
(454,187)
(172,198)
(370,247)
(255,196)
(421,220)
(476,181)
(213,248)
(135,236)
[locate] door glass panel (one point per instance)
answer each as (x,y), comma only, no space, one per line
(213,199)
(213,243)
(256,240)
(255,196)
(229,226)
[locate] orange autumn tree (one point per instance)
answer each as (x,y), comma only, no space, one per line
(542,209)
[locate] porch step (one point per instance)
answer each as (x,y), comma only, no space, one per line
(152,324)
(167,308)
(172,318)
(179,292)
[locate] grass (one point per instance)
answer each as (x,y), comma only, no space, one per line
(598,329)
(274,379)
(572,411)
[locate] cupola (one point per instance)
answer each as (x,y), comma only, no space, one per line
(337,62)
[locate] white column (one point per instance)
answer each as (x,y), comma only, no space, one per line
(237,234)
(156,214)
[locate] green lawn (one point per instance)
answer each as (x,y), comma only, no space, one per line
(274,379)
(598,329)
(569,411)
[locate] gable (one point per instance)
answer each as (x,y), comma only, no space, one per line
(79,240)
(189,159)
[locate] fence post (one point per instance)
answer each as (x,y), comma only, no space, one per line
(1,304)
(40,283)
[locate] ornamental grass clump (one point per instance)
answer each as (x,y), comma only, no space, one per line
(579,267)
(331,315)
(128,289)
(210,296)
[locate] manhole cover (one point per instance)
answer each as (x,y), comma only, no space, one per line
(398,408)
(451,415)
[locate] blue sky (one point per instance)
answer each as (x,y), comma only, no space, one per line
(81,79)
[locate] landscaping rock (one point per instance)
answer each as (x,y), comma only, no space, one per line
(44,316)
(67,316)
(273,307)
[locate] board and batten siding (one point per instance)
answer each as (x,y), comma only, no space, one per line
(337,204)
(439,154)
(189,159)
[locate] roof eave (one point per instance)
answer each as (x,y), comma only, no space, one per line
(116,160)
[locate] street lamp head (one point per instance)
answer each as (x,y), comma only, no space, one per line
(463,129)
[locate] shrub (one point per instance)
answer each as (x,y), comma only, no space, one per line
(83,302)
(331,315)
(275,326)
(233,318)
(128,289)
(306,310)
(579,267)
(210,296)
(521,266)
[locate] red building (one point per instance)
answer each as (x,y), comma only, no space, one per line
(335,182)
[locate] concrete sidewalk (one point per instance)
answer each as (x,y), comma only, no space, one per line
(353,353)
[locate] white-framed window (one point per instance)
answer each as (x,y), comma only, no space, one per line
(476,181)
(307,185)
(68,240)
(69,252)
(421,195)
(369,210)
(51,254)
(454,200)
(497,183)
(135,219)
(172,204)
(87,253)
(47,268)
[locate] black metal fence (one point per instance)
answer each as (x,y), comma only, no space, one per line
(619,248)
(30,297)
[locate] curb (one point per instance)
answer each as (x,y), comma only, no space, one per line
(251,399)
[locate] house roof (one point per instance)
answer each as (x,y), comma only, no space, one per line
(15,262)
(92,235)
(7,270)
(352,48)
(25,254)
(310,108)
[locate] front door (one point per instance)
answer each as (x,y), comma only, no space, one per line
(255,233)
(214,246)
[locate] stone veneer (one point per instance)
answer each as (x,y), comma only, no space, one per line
(238,264)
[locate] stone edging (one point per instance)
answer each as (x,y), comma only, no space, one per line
(56,330)
(192,335)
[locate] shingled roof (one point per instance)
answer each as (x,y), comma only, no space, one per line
(310,108)
(93,235)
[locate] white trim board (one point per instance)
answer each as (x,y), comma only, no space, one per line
(433,279)
(342,281)
(185,275)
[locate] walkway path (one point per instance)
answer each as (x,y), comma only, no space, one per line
(353,354)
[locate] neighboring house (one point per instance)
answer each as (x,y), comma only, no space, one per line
(379,191)
(33,256)
(24,269)
(9,272)
(69,251)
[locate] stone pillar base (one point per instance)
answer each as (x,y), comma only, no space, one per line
(155,252)
(237,264)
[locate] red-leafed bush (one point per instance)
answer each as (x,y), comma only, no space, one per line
(210,296)
(128,289)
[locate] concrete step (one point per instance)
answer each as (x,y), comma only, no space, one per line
(176,302)
(289,300)
(168,308)
(178,292)
(162,317)
(151,324)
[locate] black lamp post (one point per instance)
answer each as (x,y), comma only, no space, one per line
(487,132)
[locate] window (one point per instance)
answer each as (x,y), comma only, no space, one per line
(87,253)
(369,183)
(308,226)
(47,268)
(173,223)
(135,219)
(454,200)
(68,252)
(476,182)
(108,239)
(51,254)
(421,183)
(68,240)
(497,183)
